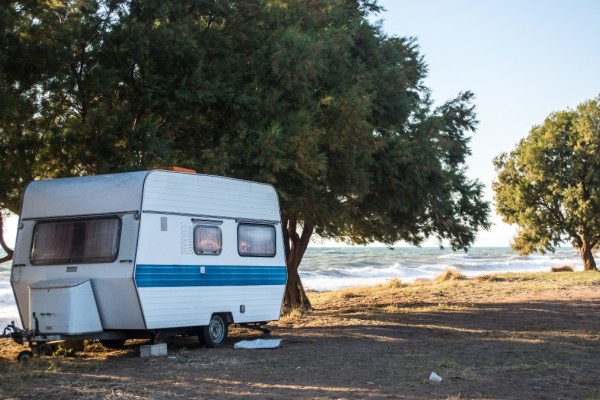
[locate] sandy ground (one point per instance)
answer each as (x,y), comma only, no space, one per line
(504,337)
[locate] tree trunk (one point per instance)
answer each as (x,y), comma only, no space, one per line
(295,246)
(589,264)
(9,252)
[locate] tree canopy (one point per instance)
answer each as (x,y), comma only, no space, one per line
(549,185)
(310,96)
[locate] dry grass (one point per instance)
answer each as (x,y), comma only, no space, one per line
(451,291)
(563,268)
(394,283)
(450,274)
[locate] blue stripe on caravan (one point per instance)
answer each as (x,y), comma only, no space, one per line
(215,275)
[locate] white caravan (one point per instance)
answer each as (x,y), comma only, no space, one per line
(144,254)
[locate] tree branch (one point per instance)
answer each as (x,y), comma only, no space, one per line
(9,252)
(555,212)
(286,235)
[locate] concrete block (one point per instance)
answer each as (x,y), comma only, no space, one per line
(153,350)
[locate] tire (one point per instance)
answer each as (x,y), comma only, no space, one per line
(215,333)
(115,344)
(24,356)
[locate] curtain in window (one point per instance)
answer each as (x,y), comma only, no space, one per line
(95,240)
(207,239)
(256,240)
(101,238)
(52,241)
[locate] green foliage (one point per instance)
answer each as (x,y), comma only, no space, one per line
(308,96)
(550,184)
(64,352)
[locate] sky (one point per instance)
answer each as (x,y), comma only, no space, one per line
(523,60)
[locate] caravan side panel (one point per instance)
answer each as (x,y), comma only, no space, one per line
(178,287)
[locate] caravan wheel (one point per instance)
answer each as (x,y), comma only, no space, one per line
(215,333)
(24,356)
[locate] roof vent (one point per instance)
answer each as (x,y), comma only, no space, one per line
(177,169)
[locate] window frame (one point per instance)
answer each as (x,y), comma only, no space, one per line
(196,226)
(81,259)
(274,230)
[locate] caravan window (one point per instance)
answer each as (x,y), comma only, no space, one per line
(256,240)
(207,239)
(76,241)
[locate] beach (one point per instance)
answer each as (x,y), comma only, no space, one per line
(504,336)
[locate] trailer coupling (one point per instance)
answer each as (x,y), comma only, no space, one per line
(36,341)
(15,333)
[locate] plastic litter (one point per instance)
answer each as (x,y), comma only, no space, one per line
(258,344)
(435,377)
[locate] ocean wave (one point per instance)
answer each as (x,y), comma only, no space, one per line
(455,256)
(353,268)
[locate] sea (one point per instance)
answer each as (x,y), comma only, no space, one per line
(333,268)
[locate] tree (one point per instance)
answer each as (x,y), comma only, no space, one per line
(20,72)
(48,56)
(309,96)
(549,185)
(336,117)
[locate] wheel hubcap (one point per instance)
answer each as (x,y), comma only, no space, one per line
(216,329)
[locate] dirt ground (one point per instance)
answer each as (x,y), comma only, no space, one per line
(533,336)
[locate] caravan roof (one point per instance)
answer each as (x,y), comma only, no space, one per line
(150,191)
(100,194)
